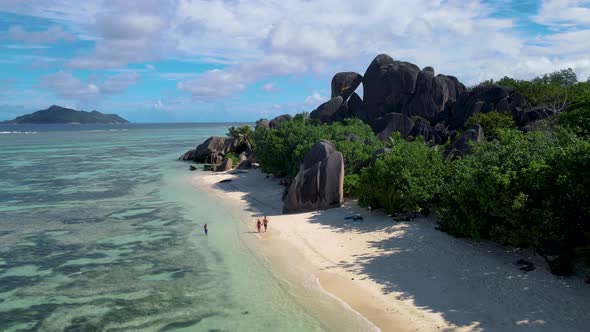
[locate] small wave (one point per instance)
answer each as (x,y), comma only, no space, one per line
(18,132)
(95,130)
(313,282)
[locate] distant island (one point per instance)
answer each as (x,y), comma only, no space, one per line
(58,114)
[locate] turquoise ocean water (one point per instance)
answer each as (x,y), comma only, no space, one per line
(100,230)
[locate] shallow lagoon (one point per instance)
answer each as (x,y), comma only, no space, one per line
(101,230)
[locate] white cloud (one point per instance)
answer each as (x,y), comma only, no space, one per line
(222,83)
(255,40)
(564,13)
(119,82)
(270,87)
(315,99)
(53,34)
(66,85)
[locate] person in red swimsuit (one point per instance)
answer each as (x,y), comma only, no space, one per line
(258,225)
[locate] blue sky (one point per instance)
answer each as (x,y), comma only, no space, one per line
(201,61)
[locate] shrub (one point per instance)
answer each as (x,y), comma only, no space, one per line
(491,122)
(355,140)
(281,151)
(232,156)
(527,190)
(351,185)
(577,120)
(237,132)
(407,178)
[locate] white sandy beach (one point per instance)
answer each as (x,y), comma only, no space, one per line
(406,276)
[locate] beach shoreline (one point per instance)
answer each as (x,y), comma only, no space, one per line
(402,276)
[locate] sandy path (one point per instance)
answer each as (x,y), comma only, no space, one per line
(409,276)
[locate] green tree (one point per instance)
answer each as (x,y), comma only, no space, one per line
(408,178)
(242,134)
(352,184)
(528,190)
(577,120)
(491,122)
(557,90)
(560,77)
(281,151)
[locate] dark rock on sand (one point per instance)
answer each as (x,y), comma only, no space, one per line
(212,150)
(225,166)
(319,182)
(527,268)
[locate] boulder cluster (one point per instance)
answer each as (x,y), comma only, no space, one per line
(399,96)
(214,151)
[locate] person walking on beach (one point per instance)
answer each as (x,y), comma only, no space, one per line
(258,224)
(265,222)
(205,229)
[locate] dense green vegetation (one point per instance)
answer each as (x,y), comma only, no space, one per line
(232,156)
(352,183)
(559,90)
(491,122)
(280,151)
(408,178)
(578,120)
(528,190)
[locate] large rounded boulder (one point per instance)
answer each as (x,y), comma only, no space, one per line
(276,122)
(388,85)
(481,99)
(432,94)
(344,84)
(320,181)
(213,150)
(391,123)
(225,166)
(329,111)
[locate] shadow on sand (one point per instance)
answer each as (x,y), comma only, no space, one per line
(474,285)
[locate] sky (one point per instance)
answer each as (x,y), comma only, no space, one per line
(232,60)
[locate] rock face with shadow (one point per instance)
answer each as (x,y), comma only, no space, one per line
(213,150)
(391,123)
(399,96)
(462,145)
(319,182)
(401,87)
(225,166)
(343,84)
(333,110)
(276,122)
